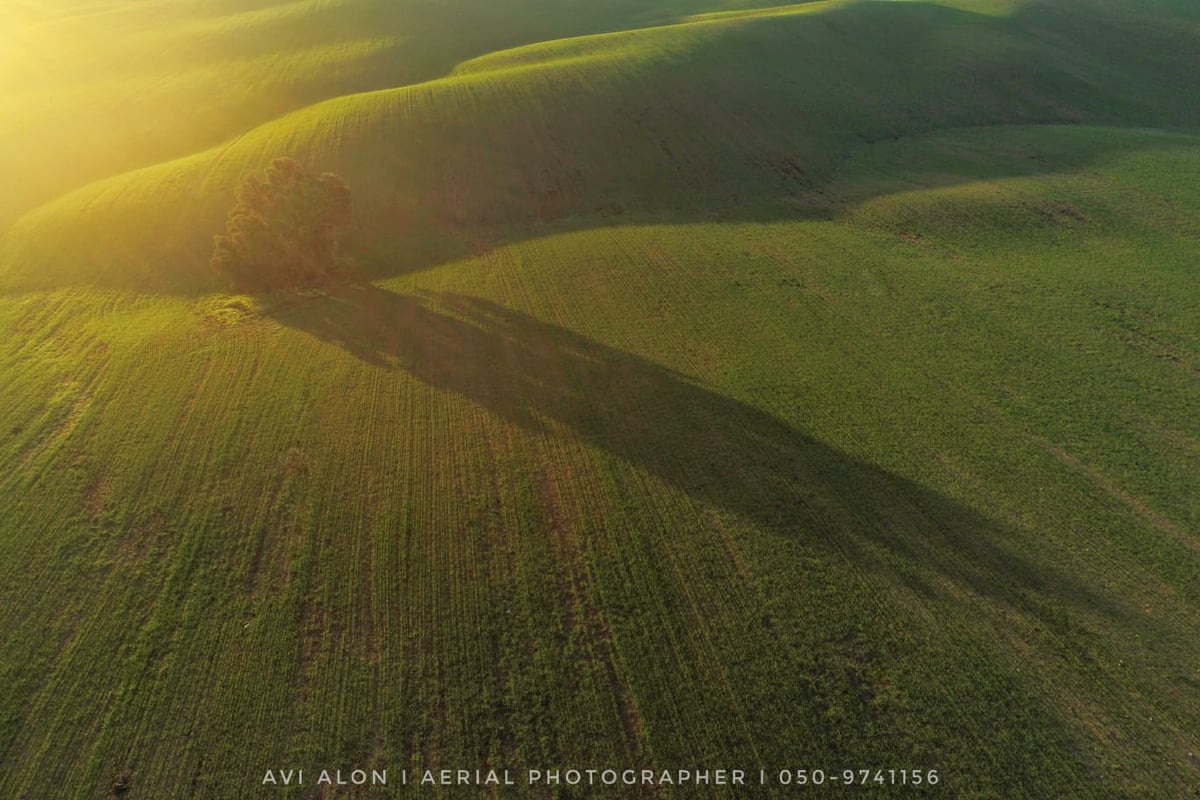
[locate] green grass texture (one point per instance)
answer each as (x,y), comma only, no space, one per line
(719,385)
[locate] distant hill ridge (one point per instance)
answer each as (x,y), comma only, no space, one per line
(711,112)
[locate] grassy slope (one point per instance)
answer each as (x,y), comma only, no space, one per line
(548,503)
(96,89)
(708,116)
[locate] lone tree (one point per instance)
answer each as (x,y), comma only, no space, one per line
(283,231)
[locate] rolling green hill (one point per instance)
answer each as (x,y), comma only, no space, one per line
(722,385)
(715,115)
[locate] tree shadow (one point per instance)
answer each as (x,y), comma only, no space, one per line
(717,450)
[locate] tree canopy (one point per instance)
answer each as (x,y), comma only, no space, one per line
(284,229)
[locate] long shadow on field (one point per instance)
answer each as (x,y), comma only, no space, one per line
(716,449)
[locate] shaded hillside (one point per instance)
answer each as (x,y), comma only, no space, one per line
(93,90)
(777,388)
(722,116)
(910,485)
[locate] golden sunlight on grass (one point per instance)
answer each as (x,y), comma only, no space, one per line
(784,385)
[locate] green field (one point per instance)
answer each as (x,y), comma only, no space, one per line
(718,384)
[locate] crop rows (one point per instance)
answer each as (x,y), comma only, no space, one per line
(684,413)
